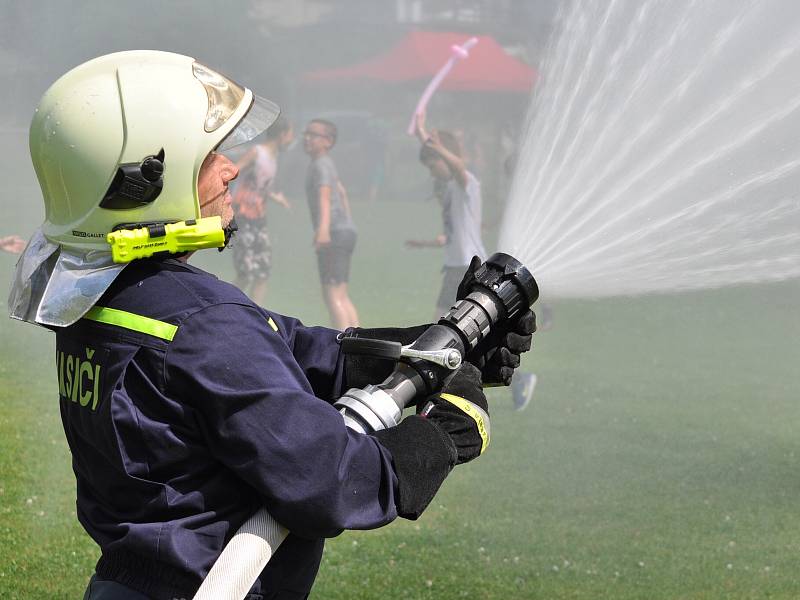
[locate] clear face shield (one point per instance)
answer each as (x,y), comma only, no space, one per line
(55,285)
(224,97)
(245,147)
(259,118)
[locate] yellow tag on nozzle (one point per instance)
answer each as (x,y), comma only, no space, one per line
(185,236)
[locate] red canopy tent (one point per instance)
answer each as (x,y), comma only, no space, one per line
(420,55)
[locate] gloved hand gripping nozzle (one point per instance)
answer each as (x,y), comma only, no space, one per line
(500,290)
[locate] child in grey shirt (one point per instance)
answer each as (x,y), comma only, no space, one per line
(459,193)
(334,231)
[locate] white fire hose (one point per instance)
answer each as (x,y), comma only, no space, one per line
(243,559)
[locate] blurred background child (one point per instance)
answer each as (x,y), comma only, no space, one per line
(252,248)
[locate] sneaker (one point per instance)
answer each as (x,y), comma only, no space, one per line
(522,389)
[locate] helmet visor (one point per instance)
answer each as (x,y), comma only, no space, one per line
(258,119)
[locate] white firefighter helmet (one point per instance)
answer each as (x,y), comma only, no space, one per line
(117,141)
(120,140)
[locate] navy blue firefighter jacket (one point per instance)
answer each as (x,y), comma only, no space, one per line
(186,408)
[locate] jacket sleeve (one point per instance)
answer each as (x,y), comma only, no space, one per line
(260,417)
(329,371)
(317,352)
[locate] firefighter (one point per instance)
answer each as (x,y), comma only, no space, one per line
(186,406)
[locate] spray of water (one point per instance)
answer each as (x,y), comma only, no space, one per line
(662,149)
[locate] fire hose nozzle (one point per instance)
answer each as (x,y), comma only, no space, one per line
(499,290)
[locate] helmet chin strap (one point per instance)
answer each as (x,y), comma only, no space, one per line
(230,229)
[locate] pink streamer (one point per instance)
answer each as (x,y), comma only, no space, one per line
(458,53)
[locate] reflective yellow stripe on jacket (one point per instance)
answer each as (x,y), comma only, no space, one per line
(121,318)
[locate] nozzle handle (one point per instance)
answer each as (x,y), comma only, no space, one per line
(370,347)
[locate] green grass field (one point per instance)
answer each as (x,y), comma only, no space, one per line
(658,459)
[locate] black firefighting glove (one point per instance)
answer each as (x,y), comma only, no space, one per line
(499,354)
(361,370)
(453,429)
(462,412)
